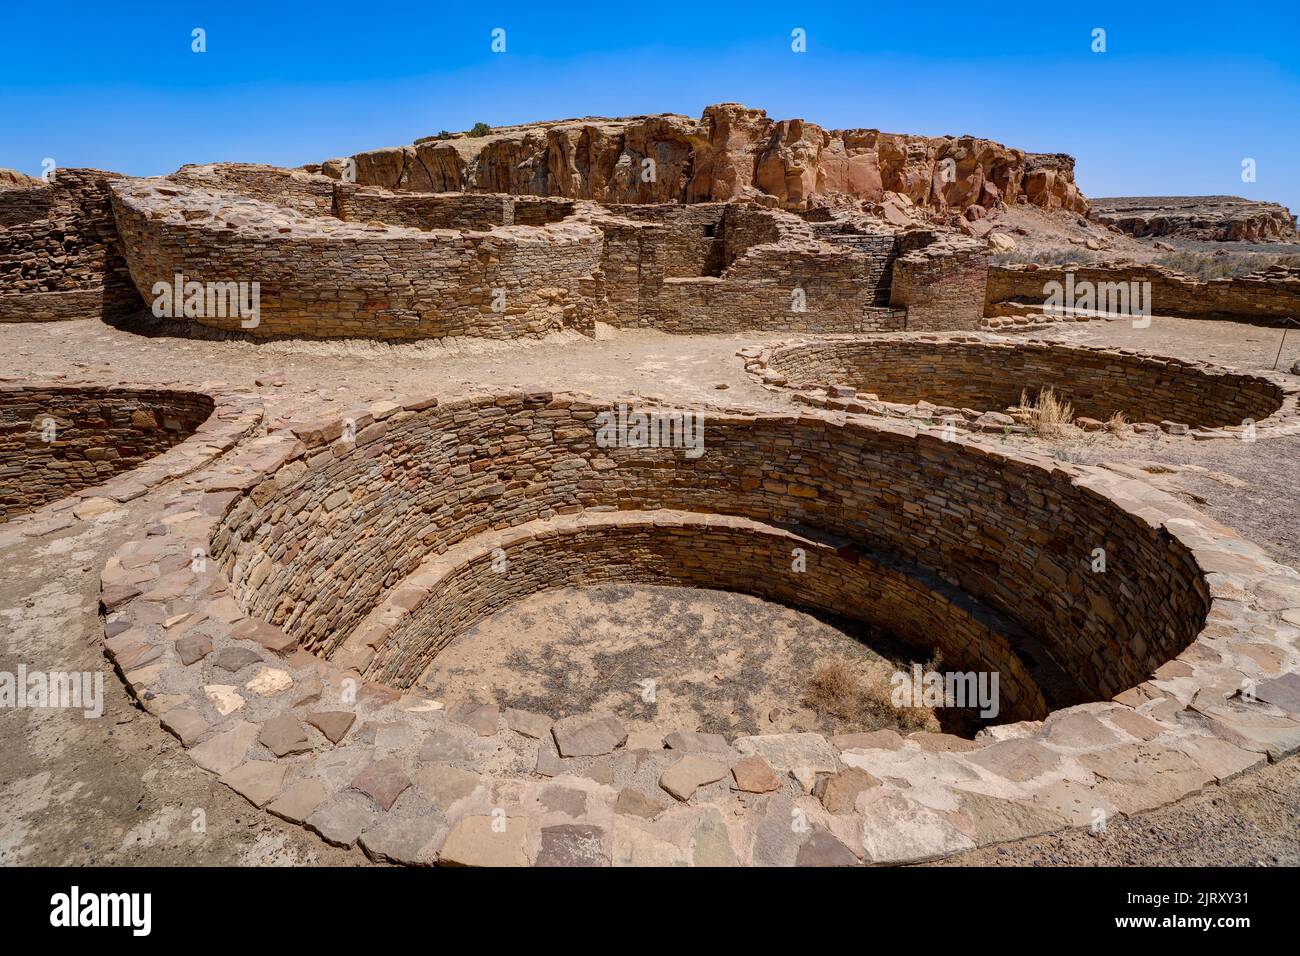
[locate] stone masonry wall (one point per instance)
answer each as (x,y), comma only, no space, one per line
(941,285)
(747,226)
(322,277)
(683,268)
(632,264)
(989,376)
(1262,297)
(680,549)
(880,249)
(313,548)
(60,254)
(658,281)
(97,433)
(311,194)
(692,240)
(461,211)
(759,292)
(315,195)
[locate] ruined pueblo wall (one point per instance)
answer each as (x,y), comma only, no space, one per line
(311,194)
(692,240)
(55,440)
(321,277)
(880,248)
(60,254)
(313,547)
(320,196)
(461,211)
(1266,297)
(739,267)
(683,268)
(776,288)
(334,259)
(942,285)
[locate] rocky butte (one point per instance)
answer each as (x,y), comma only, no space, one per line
(1213,218)
(730,152)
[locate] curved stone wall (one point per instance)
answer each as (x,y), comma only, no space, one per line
(400,639)
(317,546)
(59,439)
(318,276)
(987,374)
(319,525)
(297,189)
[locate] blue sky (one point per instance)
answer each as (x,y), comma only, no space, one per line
(1183,93)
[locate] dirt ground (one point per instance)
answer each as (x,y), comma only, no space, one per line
(118,789)
(717,662)
(1249,821)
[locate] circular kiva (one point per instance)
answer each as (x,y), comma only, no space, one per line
(349,551)
(71,441)
(402,636)
(971,380)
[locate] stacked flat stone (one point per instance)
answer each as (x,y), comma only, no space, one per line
(941,284)
(1269,296)
(338,259)
(962,378)
(1164,640)
(59,439)
(111,444)
(60,254)
(323,277)
(709,267)
(399,640)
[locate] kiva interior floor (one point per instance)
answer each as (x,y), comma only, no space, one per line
(688,658)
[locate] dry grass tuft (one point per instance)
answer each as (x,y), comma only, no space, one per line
(1049,416)
(1117,423)
(834,692)
(861,696)
(1202,265)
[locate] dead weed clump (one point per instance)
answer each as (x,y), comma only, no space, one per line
(851,693)
(1047,415)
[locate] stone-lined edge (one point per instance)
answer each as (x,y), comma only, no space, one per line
(234,415)
(758,361)
(362,763)
(1018,317)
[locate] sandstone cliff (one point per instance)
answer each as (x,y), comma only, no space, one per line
(12,179)
(1217,218)
(730,152)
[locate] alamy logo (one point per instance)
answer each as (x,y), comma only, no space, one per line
(74,908)
(626,429)
(82,690)
(208,300)
(922,688)
(1113,299)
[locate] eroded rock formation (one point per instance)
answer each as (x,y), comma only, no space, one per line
(730,152)
(1216,218)
(13,179)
